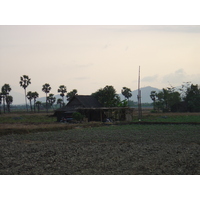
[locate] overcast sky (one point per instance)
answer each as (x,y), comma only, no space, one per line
(87,58)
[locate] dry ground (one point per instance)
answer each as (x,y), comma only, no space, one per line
(127,149)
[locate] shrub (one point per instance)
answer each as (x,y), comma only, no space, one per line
(77,116)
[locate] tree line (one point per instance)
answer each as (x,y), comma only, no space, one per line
(172,99)
(6,99)
(106,96)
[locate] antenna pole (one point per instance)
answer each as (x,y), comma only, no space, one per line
(139,98)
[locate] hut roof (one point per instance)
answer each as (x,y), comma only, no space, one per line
(84,101)
(88,101)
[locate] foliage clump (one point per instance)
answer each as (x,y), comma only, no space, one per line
(171,99)
(77,116)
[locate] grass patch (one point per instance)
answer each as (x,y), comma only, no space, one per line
(120,134)
(26,118)
(172,117)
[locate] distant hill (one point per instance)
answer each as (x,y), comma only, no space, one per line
(145,93)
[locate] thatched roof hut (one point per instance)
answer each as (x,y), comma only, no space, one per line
(91,109)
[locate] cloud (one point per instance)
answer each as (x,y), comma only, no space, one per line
(150,78)
(180,76)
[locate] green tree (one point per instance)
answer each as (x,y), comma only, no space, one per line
(51,99)
(123,103)
(46,88)
(5,92)
(9,100)
(71,94)
(62,90)
(166,100)
(192,98)
(25,81)
(38,105)
(60,101)
(127,93)
(35,96)
(107,96)
(153,97)
(30,97)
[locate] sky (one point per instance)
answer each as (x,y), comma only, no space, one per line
(89,57)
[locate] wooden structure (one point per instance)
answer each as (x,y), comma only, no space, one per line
(92,110)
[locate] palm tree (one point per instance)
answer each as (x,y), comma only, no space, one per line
(30,97)
(5,91)
(51,99)
(126,92)
(71,94)
(35,96)
(38,104)
(46,88)
(62,89)
(60,101)
(9,100)
(24,82)
(153,96)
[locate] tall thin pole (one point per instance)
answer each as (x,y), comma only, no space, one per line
(139,98)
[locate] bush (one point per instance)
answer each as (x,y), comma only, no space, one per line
(77,116)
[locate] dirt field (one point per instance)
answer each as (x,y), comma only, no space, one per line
(123,150)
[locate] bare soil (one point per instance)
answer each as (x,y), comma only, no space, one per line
(111,150)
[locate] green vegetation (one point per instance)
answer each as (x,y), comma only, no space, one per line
(26,118)
(5,96)
(62,90)
(77,116)
(107,96)
(186,99)
(71,94)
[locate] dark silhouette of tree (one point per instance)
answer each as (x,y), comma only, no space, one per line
(9,100)
(71,94)
(1,97)
(46,88)
(107,96)
(24,82)
(153,96)
(192,98)
(166,100)
(35,96)
(30,97)
(38,105)
(62,90)
(126,92)
(51,99)
(60,101)
(5,92)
